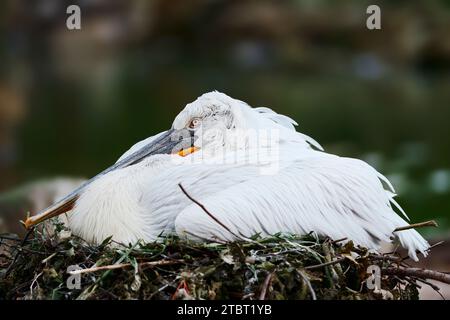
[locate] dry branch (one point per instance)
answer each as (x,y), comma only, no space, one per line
(330,263)
(126,265)
(265,285)
(419,273)
(430,223)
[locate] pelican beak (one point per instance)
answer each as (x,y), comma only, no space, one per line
(188,151)
(179,142)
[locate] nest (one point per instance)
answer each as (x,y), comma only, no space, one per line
(277,267)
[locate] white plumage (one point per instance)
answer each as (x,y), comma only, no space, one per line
(292,187)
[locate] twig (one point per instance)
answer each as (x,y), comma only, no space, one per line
(339,240)
(430,223)
(204,239)
(49,257)
(432,286)
(9,237)
(265,285)
(35,281)
(126,265)
(317,266)
(182,286)
(248,296)
(388,258)
(419,273)
(211,215)
(435,245)
(166,285)
(308,283)
(22,243)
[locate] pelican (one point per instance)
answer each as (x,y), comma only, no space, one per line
(226,171)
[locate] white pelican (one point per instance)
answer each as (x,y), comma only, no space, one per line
(290,186)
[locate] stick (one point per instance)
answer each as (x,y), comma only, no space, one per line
(419,273)
(49,257)
(338,240)
(435,245)
(434,287)
(430,223)
(317,266)
(210,214)
(266,284)
(204,239)
(308,283)
(35,281)
(126,265)
(9,237)
(388,258)
(19,251)
(248,296)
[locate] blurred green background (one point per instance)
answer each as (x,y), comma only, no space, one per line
(71,102)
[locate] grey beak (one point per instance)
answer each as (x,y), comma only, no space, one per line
(169,142)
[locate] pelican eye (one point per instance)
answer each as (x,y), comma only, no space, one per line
(194,123)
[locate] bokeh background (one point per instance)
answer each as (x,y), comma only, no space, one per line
(71,102)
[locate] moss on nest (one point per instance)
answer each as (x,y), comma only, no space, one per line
(278,267)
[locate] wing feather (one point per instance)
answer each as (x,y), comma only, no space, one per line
(332,196)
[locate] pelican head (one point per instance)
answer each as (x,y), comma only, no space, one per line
(223,125)
(217,121)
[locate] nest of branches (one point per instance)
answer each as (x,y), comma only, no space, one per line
(63,266)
